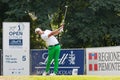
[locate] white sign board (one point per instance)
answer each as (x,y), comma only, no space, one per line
(16,48)
(103,61)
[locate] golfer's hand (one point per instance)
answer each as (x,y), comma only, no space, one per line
(62,25)
(61,28)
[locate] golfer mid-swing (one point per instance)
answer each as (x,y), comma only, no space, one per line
(53,47)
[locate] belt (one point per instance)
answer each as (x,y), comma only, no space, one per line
(54,45)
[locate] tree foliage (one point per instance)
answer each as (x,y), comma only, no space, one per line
(93,23)
(89,23)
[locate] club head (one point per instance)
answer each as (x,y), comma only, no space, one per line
(66,6)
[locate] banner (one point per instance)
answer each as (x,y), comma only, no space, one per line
(103,61)
(16,48)
(71,62)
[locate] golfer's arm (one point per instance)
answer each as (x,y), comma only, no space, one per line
(55,32)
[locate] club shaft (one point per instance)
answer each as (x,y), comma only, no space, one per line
(65,15)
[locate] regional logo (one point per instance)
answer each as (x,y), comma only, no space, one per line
(93,61)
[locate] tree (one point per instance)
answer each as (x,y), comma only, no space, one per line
(89,23)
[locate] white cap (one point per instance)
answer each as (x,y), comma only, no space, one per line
(37,29)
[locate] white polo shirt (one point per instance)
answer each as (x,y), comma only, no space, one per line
(51,40)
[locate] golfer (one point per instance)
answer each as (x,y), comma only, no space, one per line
(53,47)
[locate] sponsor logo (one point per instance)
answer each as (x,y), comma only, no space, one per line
(65,57)
(15,35)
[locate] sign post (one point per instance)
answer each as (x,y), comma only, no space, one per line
(103,61)
(16,47)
